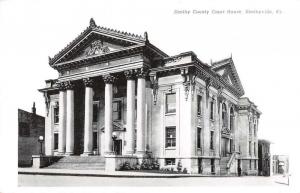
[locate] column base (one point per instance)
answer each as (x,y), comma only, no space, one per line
(69,153)
(60,153)
(129,152)
(87,154)
(140,153)
(109,153)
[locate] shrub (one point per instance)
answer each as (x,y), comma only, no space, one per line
(184,171)
(155,165)
(179,166)
(137,167)
(126,166)
(144,165)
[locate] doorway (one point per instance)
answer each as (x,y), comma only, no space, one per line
(200,168)
(118,146)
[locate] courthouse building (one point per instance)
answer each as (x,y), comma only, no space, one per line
(118,95)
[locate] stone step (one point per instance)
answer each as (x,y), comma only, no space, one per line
(80,162)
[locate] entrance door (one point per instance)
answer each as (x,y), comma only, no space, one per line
(239,167)
(118,147)
(224,146)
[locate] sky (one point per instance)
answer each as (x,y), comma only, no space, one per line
(264,47)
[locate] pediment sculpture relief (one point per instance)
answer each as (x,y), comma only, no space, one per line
(96,48)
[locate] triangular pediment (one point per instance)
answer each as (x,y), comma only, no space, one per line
(226,69)
(96,40)
(93,44)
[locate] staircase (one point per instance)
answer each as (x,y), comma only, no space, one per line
(80,163)
(223,165)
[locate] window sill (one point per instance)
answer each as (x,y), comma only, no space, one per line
(170,114)
(170,148)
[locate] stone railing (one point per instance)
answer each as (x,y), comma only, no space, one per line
(230,160)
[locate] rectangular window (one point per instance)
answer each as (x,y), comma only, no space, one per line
(95,113)
(255,164)
(254,146)
(56,114)
(212,165)
(170,161)
(95,140)
(55,141)
(198,137)
(24,130)
(212,110)
(254,129)
(211,140)
(249,147)
(199,105)
(250,167)
(171,103)
(117,110)
(170,137)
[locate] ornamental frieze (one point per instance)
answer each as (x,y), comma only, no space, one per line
(174,59)
(97,48)
(154,84)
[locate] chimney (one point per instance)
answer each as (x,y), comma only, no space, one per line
(33,109)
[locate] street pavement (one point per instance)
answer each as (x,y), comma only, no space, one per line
(55,181)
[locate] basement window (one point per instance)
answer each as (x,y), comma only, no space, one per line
(170,161)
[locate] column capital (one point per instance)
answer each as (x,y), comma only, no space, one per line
(88,82)
(130,74)
(142,72)
(61,86)
(69,85)
(109,79)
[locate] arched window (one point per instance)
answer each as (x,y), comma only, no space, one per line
(231,118)
(224,115)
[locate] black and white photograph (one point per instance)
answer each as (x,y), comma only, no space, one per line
(130,96)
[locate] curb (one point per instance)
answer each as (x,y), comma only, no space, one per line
(119,175)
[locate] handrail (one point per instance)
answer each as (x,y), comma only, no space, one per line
(230,160)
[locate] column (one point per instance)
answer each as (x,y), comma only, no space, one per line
(62,119)
(108,122)
(88,117)
(70,118)
(130,111)
(141,105)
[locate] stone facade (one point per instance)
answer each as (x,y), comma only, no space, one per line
(30,126)
(171,108)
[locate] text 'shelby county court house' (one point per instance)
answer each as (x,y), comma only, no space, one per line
(120,97)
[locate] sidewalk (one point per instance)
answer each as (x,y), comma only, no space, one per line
(102,173)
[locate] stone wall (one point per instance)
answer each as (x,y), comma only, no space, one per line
(28,145)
